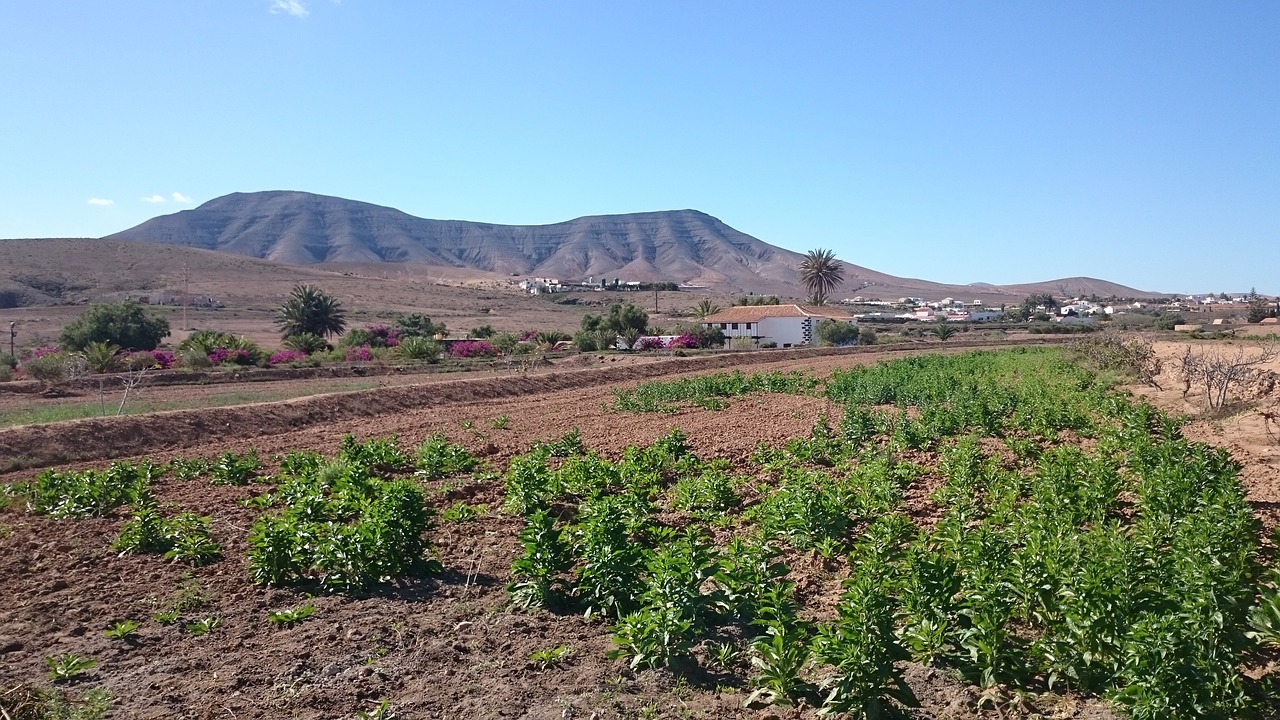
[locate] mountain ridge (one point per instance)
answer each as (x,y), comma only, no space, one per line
(688,246)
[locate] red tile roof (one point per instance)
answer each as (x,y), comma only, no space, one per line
(756,313)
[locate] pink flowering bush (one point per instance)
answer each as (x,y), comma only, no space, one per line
(286,357)
(650,343)
(40,352)
(359,354)
(687,341)
(151,358)
(223,356)
(472,348)
(528,335)
(383,336)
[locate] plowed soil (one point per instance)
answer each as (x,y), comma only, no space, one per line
(445,648)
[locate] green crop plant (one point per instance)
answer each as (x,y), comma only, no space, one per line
(437,458)
(461,512)
(723,655)
(292,616)
(708,391)
(381,711)
(710,491)
(567,445)
(90,493)
(204,626)
(653,637)
(379,455)
(184,538)
(123,630)
(301,463)
(501,422)
(609,576)
(780,657)
(343,528)
(539,571)
(189,468)
(233,469)
(548,658)
(69,667)
(862,651)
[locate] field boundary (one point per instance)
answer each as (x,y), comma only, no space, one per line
(94,439)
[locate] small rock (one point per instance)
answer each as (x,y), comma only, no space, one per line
(59,585)
(332,669)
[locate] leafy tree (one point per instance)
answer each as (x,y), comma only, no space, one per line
(710,338)
(125,324)
(836,332)
(1032,302)
(420,325)
(750,300)
(821,273)
(311,310)
(620,318)
(1259,307)
(484,331)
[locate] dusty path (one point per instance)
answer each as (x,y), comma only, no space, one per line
(403,409)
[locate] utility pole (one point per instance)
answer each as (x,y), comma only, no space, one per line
(12,334)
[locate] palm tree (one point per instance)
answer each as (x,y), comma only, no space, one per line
(705,308)
(311,310)
(821,272)
(943,330)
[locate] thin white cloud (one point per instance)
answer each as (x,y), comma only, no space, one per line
(289,7)
(101,202)
(153,199)
(180,198)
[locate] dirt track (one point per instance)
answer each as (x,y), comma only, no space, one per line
(95,439)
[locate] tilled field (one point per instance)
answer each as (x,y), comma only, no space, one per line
(450,645)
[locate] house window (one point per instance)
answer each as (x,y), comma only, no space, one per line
(748,326)
(724,326)
(735,326)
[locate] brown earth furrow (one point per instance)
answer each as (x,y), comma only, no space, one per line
(36,446)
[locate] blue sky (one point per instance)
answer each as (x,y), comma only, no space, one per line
(1002,142)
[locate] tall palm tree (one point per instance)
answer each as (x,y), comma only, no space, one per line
(821,272)
(705,308)
(311,310)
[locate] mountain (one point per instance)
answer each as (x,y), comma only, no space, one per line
(687,246)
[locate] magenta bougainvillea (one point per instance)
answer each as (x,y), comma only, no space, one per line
(162,359)
(359,354)
(286,357)
(687,341)
(472,348)
(223,356)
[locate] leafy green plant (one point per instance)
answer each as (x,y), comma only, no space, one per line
(548,658)
(90,493)
(501,422)
(724,655)
(437,458)
(380,455)
(123,630)
(185,538)
(779,656)
(205,626)
(233,469)
(69,667)
(538,571)
(189,468)
(292,616)
(382,711)
(461,512)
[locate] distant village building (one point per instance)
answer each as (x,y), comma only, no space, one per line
(786,325)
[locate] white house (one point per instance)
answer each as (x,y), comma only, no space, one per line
(786,325)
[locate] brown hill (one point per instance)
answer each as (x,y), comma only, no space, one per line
(680,245)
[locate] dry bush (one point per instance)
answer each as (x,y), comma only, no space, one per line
(1218,370)
(1122,352)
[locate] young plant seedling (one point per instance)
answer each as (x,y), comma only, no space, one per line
(205,626)
(550,657)
(285,618)
(383,711)
(124,630)
(501,422)
(67,667)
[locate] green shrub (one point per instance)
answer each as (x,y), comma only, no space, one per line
(306,343)
(125,324)
(90,493)
(419,348)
